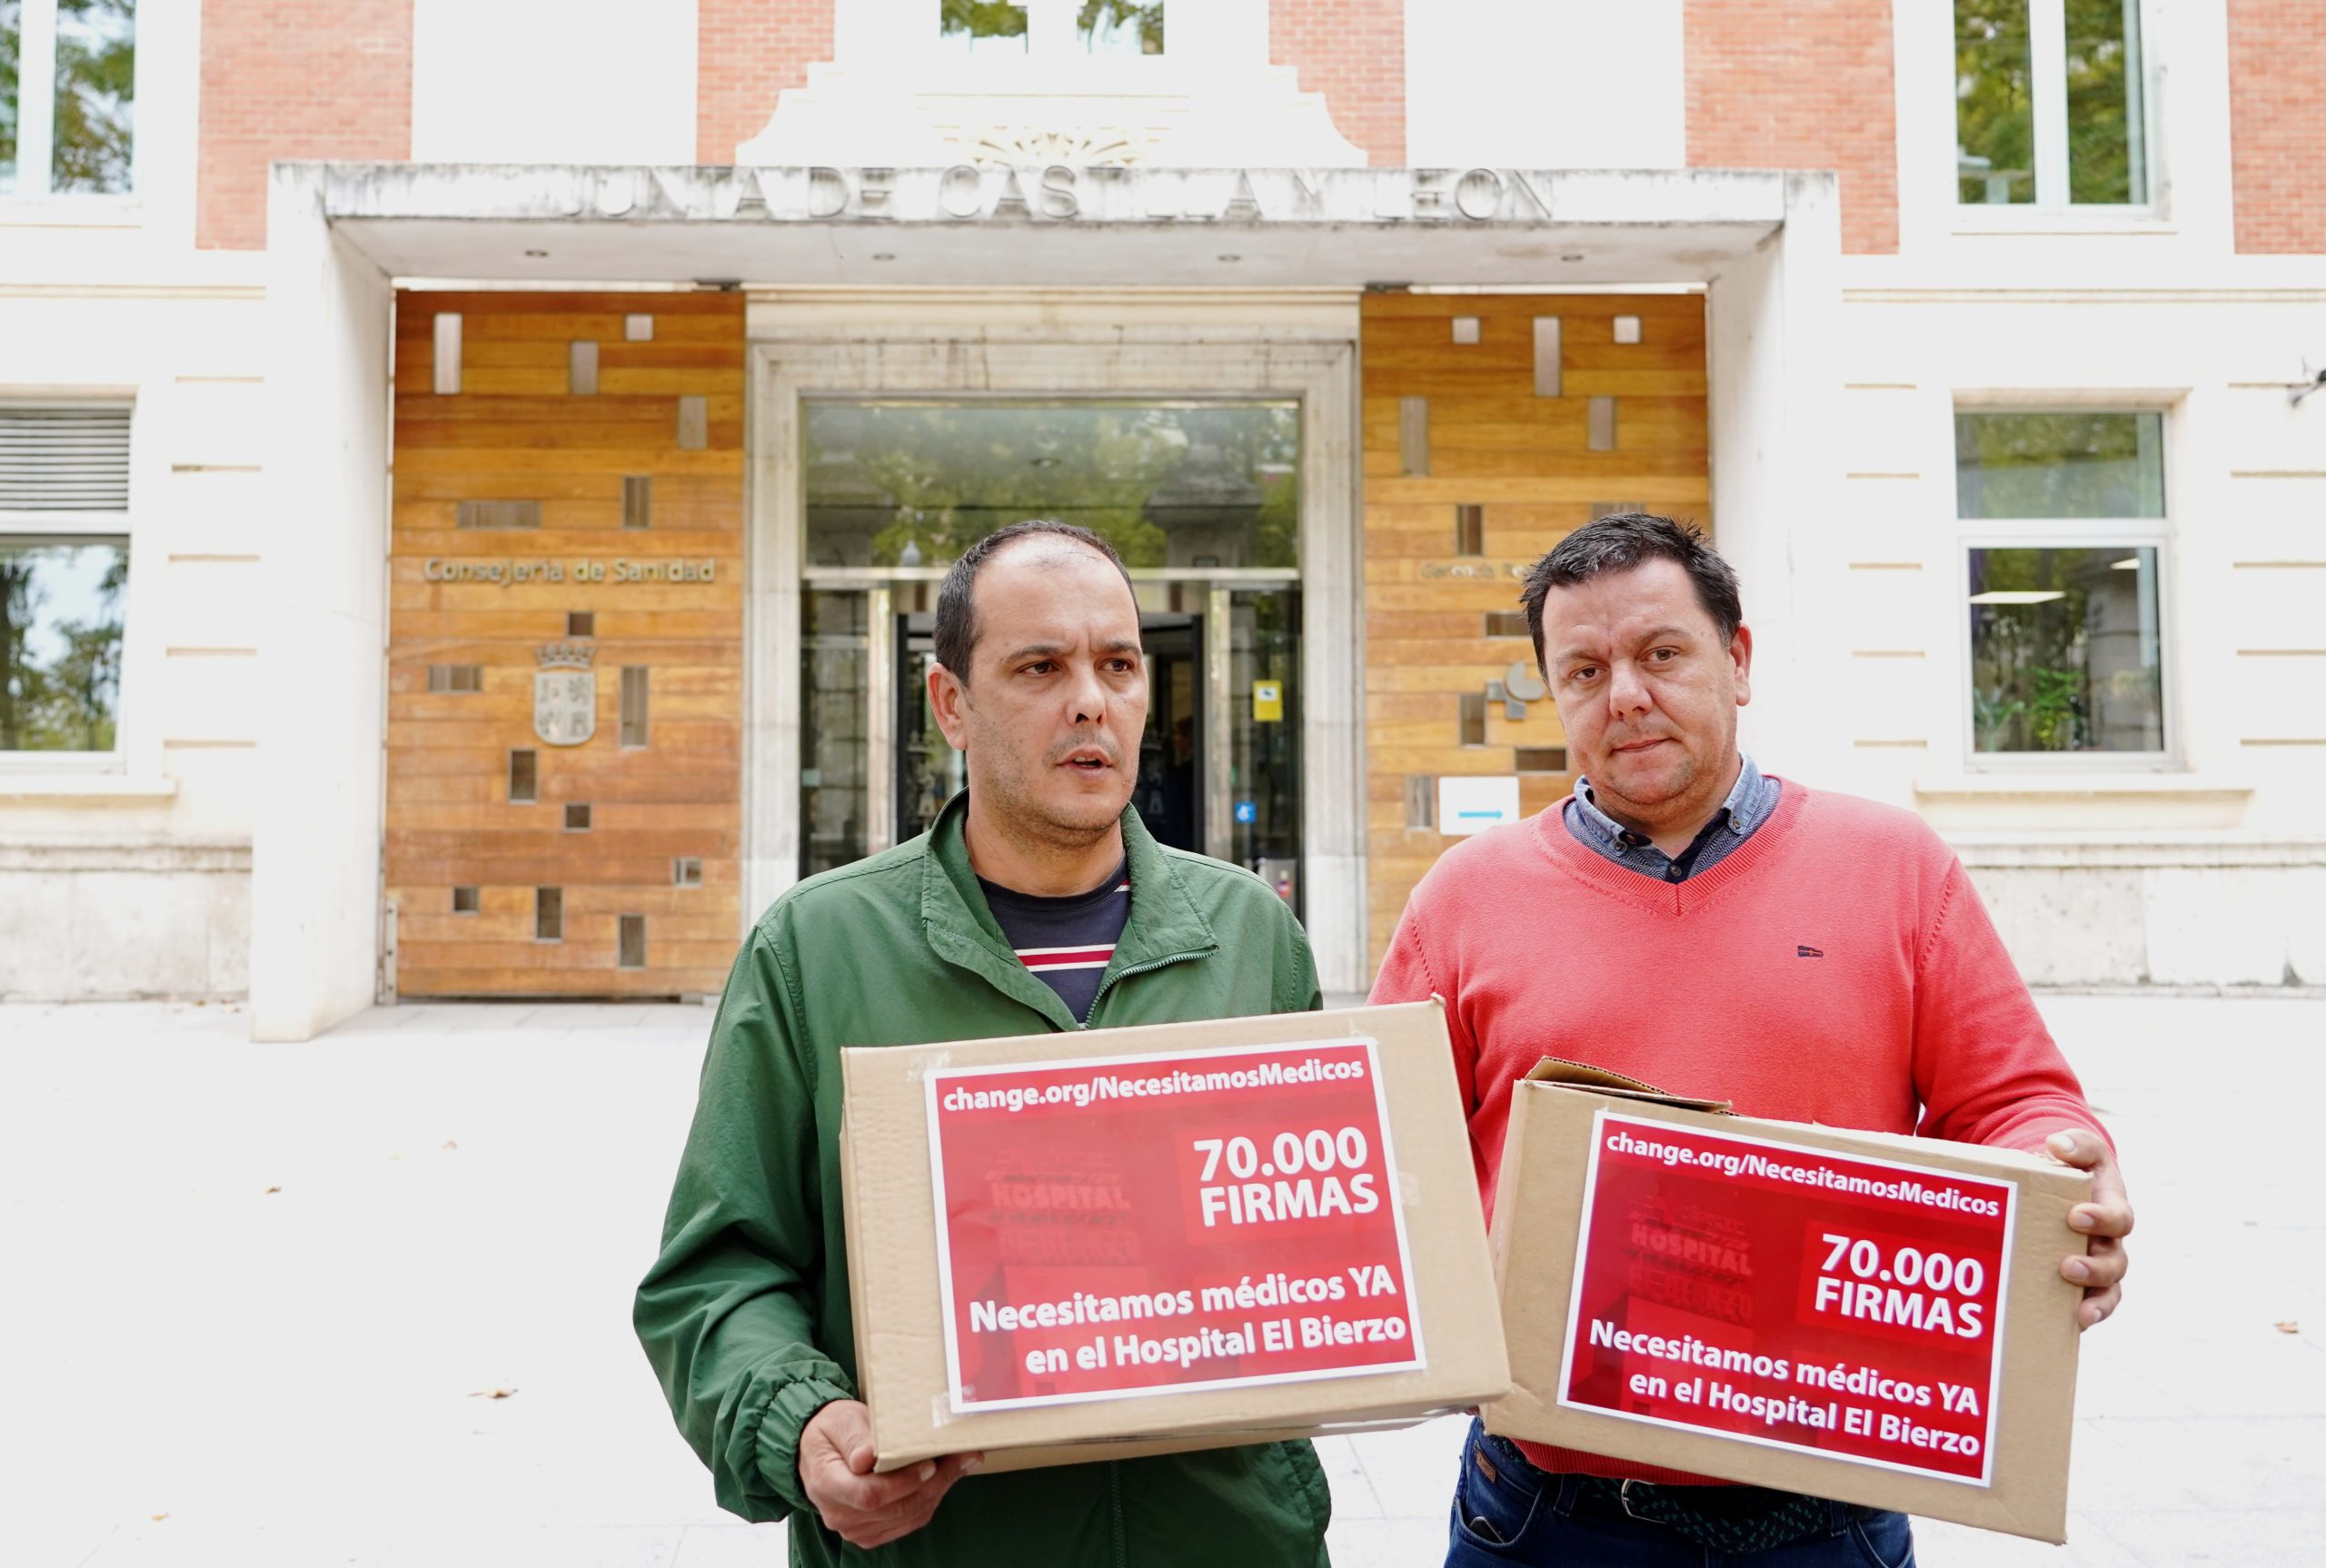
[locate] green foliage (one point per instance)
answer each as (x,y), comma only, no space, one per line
(2102,133)
(982,18)
(10,50)
(1114,14)
(67,704)
(97,72)
(937,478)
(2030,681)
(1994,111)
(1003,19)
(1994,116)
(2085,463)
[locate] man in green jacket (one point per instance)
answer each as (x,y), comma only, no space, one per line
(1037,901)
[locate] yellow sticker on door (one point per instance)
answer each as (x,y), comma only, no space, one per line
(1267,701)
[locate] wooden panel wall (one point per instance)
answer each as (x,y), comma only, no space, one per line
(515,430)
(1527,461)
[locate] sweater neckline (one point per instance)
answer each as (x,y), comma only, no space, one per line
(1621,882)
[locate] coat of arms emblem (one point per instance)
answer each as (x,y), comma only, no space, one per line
(565,694)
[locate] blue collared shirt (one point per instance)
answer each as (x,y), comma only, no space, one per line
(1749,804)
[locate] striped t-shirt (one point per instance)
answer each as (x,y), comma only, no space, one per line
(1067,942)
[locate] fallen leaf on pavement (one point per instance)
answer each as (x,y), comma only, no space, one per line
(2289,1326)
(449,1144)
(492,1393)
(157,1518)
(274,1189)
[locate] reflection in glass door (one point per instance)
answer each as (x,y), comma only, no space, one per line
(1261,721)
(1201,499)
(1169,794)
(835,679)
(928,771)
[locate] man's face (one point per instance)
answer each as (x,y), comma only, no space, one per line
(1647,690)
(1051,715)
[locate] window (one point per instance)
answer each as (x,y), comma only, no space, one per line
(548,914)
(68,77)
(2064,523)
(1470,724)
(983,29)
(2050,104)
(497,514)
(59,643)
(1120,27)
(1421,800)
(633,705)
(464,901)
(912,483)
(64,575)
(631,942)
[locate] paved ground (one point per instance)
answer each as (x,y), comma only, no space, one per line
(258,1300)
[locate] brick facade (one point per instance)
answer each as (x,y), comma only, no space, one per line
(1803,86)
(746,52)
(2277,91)
(1354,52)
(286,79)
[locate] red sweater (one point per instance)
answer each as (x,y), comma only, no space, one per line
(1836,967)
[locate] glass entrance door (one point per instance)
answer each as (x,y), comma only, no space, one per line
(1201,499)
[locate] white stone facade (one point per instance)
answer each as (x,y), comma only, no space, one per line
(252,692)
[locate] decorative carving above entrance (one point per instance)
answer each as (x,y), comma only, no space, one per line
(1026,147)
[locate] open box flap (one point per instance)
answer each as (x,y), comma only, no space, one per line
(1601,1080)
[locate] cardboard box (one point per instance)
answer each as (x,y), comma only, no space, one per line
(1164,1238)
(1821,1311)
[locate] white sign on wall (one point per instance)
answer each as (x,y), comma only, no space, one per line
(1466,805)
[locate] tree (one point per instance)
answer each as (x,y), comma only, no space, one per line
(96,89)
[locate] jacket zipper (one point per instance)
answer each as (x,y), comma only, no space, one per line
(1148,967)
(1114,1466)
(1114,1498)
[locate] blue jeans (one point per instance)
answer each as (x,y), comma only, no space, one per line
(1508,1511)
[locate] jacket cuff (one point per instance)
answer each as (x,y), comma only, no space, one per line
(785,1415)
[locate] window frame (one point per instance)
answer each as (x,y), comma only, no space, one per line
(2048,106)
(1053,38)
(36,120)
(2155,534)
(93,527)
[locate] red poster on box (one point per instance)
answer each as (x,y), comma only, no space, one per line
(1785,1296)
(1133,1226)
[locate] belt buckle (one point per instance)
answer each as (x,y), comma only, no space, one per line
(1624,1497)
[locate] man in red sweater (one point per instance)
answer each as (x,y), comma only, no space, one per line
(1715,931)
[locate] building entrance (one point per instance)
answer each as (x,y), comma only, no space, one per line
(1219,765)
(1200,498)
(1218,778)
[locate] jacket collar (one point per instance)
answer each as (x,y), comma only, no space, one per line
(1164,924)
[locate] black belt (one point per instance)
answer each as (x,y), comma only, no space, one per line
(1732,1519)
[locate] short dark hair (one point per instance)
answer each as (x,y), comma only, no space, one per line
(1619,542)
(956,611)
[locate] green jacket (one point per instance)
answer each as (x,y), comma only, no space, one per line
(745,1314)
